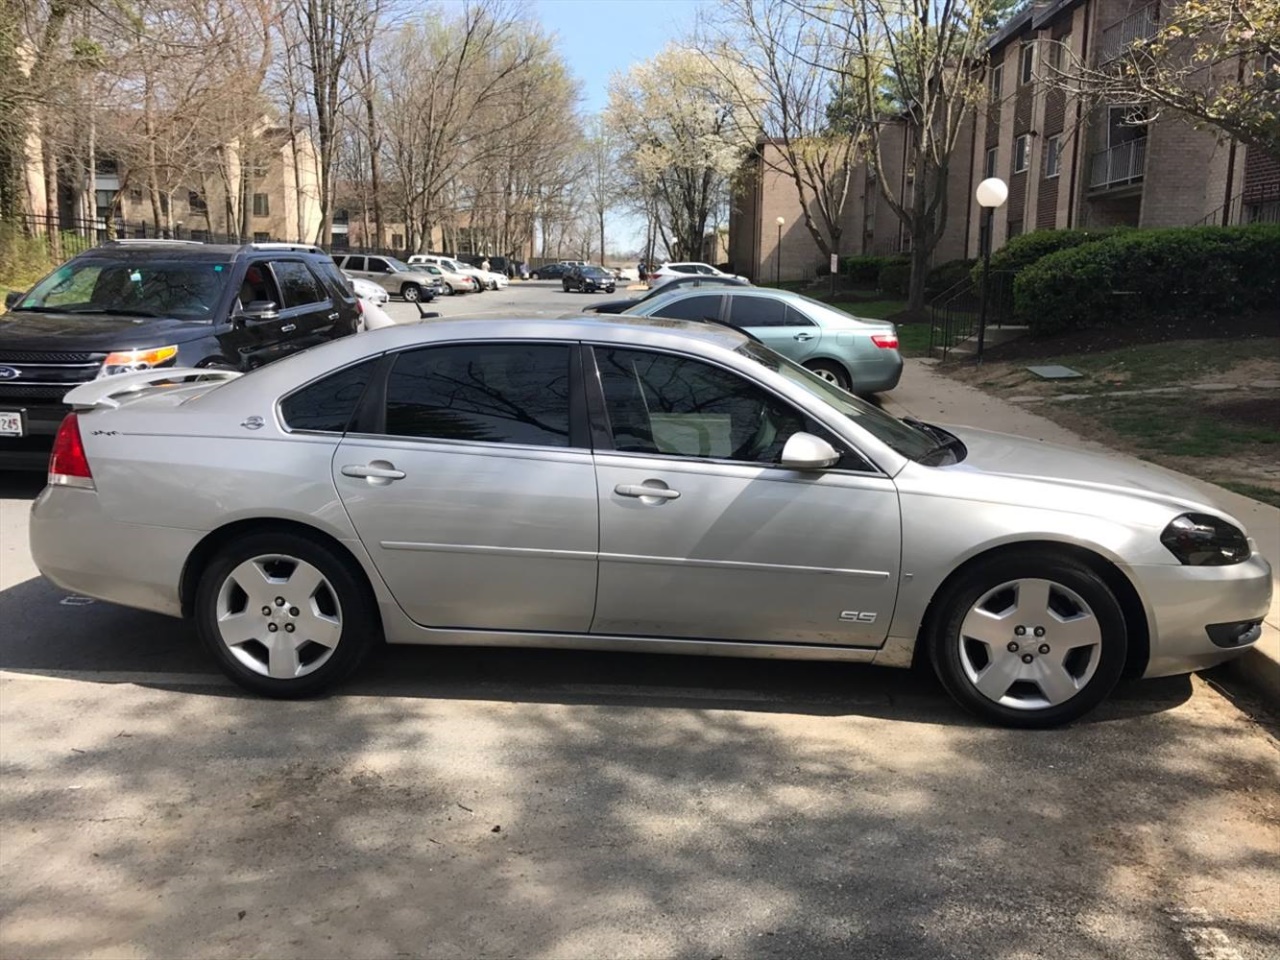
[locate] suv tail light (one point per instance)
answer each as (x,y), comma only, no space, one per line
(885,341)
(68,464)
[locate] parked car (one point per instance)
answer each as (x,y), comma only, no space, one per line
(451,281)
(677,283)
(628,484)
(368,291)
(137,305)
(853,353)
(503,265)
(397,278)
(549,271)
(480,279)
(588,280)
(669,271)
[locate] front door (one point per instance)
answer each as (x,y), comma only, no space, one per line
(703,535)
(308,312)
(474,490)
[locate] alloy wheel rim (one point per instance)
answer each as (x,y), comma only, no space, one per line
(411,293)
(1030,644)
(827,375)
(279,616)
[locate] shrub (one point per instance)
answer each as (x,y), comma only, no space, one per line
(1024,250)
(895,276)
(863,269)
(946,275)
(1143,276)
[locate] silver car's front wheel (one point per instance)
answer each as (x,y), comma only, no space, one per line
(1031,640)
(284,614)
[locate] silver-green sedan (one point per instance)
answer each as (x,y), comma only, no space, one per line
(854,353)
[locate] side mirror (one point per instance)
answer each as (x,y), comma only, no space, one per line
(13,298)
(804,451)
(257,311)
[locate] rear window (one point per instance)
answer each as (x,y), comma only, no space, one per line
(329,404)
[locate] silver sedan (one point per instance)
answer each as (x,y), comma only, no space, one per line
(623,484)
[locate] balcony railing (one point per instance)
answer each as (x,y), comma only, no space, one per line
(1122,164)
(1124,33)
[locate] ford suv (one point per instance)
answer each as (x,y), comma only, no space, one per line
(134,305)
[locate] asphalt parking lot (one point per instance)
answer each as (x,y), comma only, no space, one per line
(489,803)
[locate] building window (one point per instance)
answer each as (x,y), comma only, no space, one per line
(1053,156)
(195,202)
(135,194)
(997,81)
(261,205)
(397,240)
(989,167)
(259,168)
(1058,51)
(1266,212)
(1021,153)
(1026,63)
(261,237)
(1015,229)
(200,236)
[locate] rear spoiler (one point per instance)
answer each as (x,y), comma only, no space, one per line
(109,391)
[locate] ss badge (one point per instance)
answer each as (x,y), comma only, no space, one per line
(857,616)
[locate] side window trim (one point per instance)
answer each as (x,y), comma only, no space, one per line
(602,429)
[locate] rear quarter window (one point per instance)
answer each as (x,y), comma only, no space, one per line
(329,404)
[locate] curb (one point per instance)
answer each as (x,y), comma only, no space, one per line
(1259,667)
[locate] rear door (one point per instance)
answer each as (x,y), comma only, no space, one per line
(473,489)
(776,324)
(308,310)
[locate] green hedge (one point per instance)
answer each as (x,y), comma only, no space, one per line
(863,269)
(946,275)
(895,276)
(1141,276)
(1022,251)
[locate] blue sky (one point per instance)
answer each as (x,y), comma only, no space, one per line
(601,37)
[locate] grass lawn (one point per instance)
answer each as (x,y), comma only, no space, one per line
(1210,408)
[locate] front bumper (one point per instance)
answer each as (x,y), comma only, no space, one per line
(1182,603)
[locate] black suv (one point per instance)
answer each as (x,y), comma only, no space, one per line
(133,305)
(588,279)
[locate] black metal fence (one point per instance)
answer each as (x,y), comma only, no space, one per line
(956,313)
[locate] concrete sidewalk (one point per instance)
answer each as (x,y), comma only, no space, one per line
(932,397)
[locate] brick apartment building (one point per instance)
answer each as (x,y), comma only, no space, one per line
(1066,166)
(765,192)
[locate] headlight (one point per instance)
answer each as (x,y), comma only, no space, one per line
(129,361)
(1199,540)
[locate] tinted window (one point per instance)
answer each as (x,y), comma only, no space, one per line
(353,263)
(659,403)
(498,392)
(298,283)
(757,312)
(684,268)
(691,308)
(797,319)
(337,283)
(377,265)
(329,403)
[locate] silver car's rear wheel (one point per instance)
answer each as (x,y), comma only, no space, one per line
(284,614)
(279,616)
(1032,639)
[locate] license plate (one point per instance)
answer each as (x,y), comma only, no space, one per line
(11,423)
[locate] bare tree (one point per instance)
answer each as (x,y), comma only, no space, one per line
(787,77)
(601,170)
(921,55)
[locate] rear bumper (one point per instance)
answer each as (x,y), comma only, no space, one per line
(879,375)
(1183,603)
(81,550)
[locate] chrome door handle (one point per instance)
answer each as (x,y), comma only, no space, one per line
(640,490)
(804,336)
(377,470)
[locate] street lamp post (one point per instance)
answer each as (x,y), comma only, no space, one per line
(777,258)
(991,193)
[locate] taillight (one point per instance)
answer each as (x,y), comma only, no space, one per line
(68,464)
(885,341)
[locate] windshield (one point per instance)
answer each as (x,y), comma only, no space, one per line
(399,266)
(186,289)
(913,443)
(594,272)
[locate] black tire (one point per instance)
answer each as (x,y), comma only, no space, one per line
(535,275)
(954,605)
(447,288)
(831,371)
(411,292)
(356,609)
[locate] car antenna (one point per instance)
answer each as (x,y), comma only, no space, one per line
(425,314)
